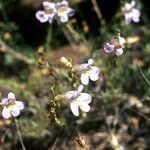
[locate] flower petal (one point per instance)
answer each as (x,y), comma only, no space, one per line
(74,108)
(69,94)
(135,15)
(64,18)
(128,18)
(95,70)
(49,5)
(90,62)
(84,79)
(15,111)
(64,2)
(119,51)
(128,7)
(6,113)
(19,104)
(84,98)
(40,15)
(122,41)
(80,88)
(133,3)
(70,12)
(85,107)
(4,100)
(94,77)
(11,96)
(108,48)
(83,66)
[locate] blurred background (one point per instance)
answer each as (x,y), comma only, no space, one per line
(120,111)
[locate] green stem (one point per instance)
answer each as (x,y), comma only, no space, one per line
(48,38)
(144,77)
(19,134)
(78,38)
(4,13)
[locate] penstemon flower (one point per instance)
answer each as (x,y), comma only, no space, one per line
(131,13)
(48,13)
(11,106)
(79,100)
(89,71)
(63,11)
(116,44)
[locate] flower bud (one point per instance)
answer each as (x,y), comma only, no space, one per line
(66,62)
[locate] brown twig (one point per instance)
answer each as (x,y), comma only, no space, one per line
(98,11)
(17,55)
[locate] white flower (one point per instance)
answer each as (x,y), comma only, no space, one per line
(63,11)
(11,106)
(116,44)
(79,100)
(48,13)
(131,13)
(89,71)
(52,10)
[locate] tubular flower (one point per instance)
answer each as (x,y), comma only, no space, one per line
(48,13)
(131,13)
(116,44)
(63,11)
(11,106)
(79,100)
(89,71)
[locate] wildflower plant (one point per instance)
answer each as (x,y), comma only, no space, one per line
(71,85)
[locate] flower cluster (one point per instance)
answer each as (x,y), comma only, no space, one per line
(53,10)
(115,45)
(79,100)
(12,107)
(131,13)
(88,71)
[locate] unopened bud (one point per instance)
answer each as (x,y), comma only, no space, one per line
(7,36)
(66,62)
(40,50)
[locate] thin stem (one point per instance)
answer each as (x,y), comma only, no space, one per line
(98,11)
(4,13)
(49,38)
(17,55)
(3,137)
(69,38)
(76,39)
(54,145)
(144,77)
(19,134)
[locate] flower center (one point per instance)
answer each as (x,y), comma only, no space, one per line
(48,11)
(11,106)
(62,9)
(115,41)
(87,70)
